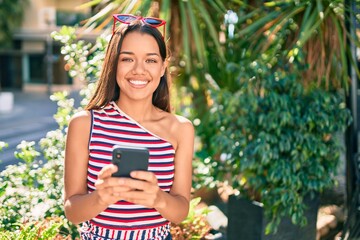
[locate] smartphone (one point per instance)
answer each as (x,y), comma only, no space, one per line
(129,159)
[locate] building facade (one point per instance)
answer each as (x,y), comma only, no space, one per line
(34,61)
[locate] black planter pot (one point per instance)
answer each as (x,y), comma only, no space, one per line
(246,221)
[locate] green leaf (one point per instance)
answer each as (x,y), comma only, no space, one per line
(200,49)
(320,9)
(89,4)
(185,36)
(210,26)
(308,29)
(259,23)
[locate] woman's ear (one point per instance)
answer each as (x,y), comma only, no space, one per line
(164,66)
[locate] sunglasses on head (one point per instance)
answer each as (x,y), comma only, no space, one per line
(129,18)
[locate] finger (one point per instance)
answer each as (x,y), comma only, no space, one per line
(121,189)
(111,195)
(138,197)
(132,195)
(133,183)
(108,182)
(139,185)
(106,171)
(144,175)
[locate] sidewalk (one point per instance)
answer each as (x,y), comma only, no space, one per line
(30,119)
(28,107)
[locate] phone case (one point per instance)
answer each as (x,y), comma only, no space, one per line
(129,159)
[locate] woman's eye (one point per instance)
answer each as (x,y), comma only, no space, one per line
(126,60)
(151,61)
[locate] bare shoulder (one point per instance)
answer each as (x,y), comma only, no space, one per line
(80,123)
(182,127)
(183,122)
(79,129)
(80,118)
(174,128)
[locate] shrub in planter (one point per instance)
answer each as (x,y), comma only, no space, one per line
(195,226)
(274,142)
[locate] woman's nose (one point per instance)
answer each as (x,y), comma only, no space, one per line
(139,68)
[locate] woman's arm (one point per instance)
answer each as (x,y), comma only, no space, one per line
(175,206)
(79,204)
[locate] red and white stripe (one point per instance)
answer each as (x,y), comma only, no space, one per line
(110,126)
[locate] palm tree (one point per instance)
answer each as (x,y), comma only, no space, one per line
(318,27)
(192,26)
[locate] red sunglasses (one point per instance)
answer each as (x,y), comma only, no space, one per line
(129,18)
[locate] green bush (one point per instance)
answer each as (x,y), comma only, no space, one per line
(47,229)
(273,141)
(32,190)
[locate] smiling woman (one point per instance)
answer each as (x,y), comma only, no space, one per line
(130,107)
(139,68)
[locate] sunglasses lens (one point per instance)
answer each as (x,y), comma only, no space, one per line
(153,21)
(126,18)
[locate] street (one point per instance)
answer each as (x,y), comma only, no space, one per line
(30,119)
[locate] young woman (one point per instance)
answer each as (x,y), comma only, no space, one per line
(130,107)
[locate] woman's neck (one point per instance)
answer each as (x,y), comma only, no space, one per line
(139,111)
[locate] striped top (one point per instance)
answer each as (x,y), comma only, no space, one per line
(111,126)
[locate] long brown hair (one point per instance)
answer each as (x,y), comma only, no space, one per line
(107,89)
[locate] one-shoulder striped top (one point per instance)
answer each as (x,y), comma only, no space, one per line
(111,126)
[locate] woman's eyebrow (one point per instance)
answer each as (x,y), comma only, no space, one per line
(127,52)
(150,54)
(131,53)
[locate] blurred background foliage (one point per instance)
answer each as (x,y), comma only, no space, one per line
(11,17)
(205,36)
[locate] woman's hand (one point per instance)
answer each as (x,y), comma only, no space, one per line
(143,189)
(108,187)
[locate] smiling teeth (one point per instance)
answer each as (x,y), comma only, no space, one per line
(138,82)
